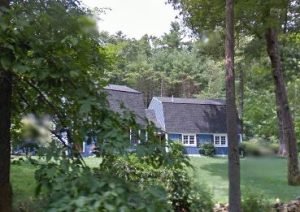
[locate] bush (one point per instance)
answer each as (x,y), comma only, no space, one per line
(200,199)
(208,149)
(250,148)
(146,180)
(275,148)
(254,202)
(71,186)
(257,147)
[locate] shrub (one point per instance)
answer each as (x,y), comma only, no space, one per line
(182,193)
(254,202)
(275,148)
(71,186)
(208,149)
(200,199)
(149,179)
(250,148)
(257,147)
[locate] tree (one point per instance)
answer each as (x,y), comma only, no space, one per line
(50,63)
(5,106)
(231,114)
(270,17)
(284,113)
(167,65)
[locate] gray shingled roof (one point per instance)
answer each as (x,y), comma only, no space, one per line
(120,88)
(183,115)
(129,98)
(192,101)
(150,114)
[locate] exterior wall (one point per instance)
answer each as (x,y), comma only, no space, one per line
(157,106)
(221,150)
(190,150)
(201,139)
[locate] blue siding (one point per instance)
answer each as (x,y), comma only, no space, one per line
(201,139)
(174,137)
(188,149)
(157,106)
(221,150)
(191,150)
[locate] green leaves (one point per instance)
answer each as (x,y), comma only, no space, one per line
(5,62)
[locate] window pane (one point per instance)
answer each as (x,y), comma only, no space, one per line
(192,139)
(217,140)
(185,139)
(134,137)
(223,140)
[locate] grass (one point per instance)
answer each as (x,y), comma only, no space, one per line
(266,176)
(23,184)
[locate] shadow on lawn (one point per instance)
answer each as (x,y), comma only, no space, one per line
(264,176)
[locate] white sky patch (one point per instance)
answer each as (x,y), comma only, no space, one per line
(134,18)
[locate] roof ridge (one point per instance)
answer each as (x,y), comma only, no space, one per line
(180,100)
(121,88)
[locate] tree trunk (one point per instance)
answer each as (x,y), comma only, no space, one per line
(161,87)
(5,115)
(282,144)
(283,107)
(5,101)
(233,151)
(241,98)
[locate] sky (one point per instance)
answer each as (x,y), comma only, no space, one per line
(134,17)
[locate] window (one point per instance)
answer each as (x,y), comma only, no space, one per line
(220,140)
(189,140)
(217,140)
(134,137)
(223,140)
(185,139)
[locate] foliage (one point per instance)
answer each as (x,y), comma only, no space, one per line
(150,179)
(165,66)
(256,100)
(52,50)
(258,147)
(70,185)
(172,175)
(252,201)
(208,149)
(156,68)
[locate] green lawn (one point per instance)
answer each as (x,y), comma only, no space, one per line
(23,183)
(267,176)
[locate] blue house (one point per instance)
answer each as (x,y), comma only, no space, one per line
(188,120)
(122,99)
(192,122)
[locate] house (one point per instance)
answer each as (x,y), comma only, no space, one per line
(188,120)
(122,99)
(192,122)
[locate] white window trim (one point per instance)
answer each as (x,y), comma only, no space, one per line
(220,145)
(195,139)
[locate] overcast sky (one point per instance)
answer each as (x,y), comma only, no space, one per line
(135,17)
